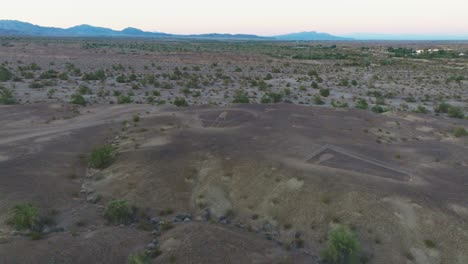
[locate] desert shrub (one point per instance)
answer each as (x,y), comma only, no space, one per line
(455,112)
(324,92)
(121,79)
(77,99)
(5,74)
(380,100)
(6,96)
(36,85)
(378,109)
(460,132)
(318,100)
(442,108)
(122,99)
(141,258)
(118,212)
(315,85)
(49,74)
(275,97)
(362,104)
(94,76)
(339,104)
(354,82)
(83,89)
(25,216)
(421,109)
(342,247)
(63,76)
(101,157)
(429,243)
(265,99)
(180,102)
(241,97)
(343,82)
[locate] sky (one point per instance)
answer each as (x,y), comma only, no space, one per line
(261,17)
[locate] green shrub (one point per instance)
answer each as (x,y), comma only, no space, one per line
(94,76)
(265,99)
(343,82)
(318,100)
(362,104)
(49,74)
(380,100)
(378,109)
(275,97)
(180,102)
(36,85)
(25,216)
(342,247)
(455,112)
(442,108)
(78,99)
(460,132)
(122,99)
(83,89)
(324,92)
(5,74)
(141,258)
(118,212)
(421,109)
(6,97)
(101,157)
(429,243)
(241,97)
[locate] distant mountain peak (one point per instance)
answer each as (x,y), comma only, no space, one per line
(14,27)
(309,36)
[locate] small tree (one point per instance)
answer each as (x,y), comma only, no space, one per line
(342,248)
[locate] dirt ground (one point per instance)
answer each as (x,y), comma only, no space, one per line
(267,174)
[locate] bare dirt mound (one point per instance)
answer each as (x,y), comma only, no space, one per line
(226,118)
(335,157)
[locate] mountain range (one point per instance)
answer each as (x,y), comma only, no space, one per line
(19,28)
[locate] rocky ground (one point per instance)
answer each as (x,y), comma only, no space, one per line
(231,152)
(245,183)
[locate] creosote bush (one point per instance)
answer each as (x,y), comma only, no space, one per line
(241,97)
(101,157)
(342,247)
(362,104)
(118,212)
(180,102)
(77,99)
(25,216)
(460,132)
(6,96)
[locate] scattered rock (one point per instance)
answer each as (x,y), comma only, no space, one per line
(151,246)
(93,198)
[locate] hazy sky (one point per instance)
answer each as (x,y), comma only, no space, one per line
(249,16)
